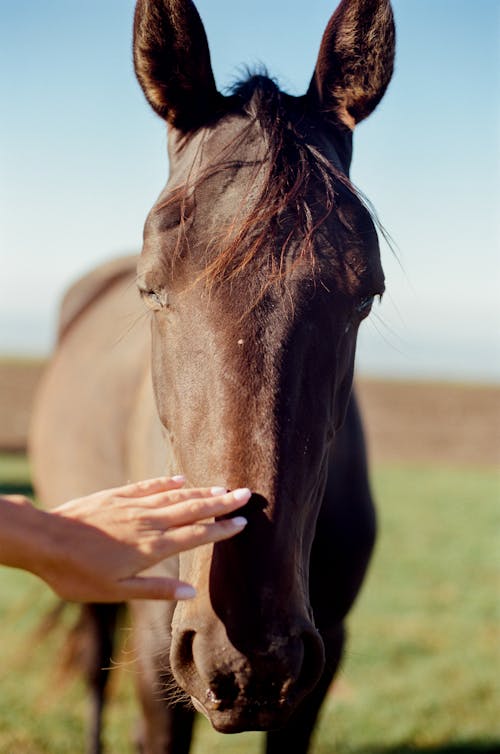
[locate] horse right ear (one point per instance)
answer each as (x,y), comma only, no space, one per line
(172,62)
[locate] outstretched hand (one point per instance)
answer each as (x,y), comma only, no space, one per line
(97,545)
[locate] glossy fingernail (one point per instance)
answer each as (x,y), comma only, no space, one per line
(218,490)
(178,478)
(184,592)
(239,522)
(242,494)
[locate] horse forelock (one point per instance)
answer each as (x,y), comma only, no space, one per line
(296,195)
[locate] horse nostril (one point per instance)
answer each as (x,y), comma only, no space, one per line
(313,662)
(185,649)
(223,692)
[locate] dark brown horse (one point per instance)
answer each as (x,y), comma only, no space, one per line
(259,263)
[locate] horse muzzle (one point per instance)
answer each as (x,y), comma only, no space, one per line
(251,716)
(255,691)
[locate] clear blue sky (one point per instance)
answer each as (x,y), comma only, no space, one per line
(82,159)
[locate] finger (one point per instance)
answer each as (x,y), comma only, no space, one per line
(155,588)
(198,509)
(149,487)
(172,497)
(187,537)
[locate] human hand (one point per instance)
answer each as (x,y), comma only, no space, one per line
(101,542)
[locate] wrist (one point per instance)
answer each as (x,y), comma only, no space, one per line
(28,536)
(24,534)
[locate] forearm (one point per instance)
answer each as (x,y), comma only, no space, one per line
(24,536)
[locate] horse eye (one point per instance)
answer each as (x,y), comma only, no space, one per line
(365,305)
(155,300)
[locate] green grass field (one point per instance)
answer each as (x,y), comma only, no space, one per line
(421,675)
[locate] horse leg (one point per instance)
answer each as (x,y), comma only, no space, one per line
(166,727)
(180,721)
(166,730)
(100,622)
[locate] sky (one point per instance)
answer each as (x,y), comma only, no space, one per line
(82,159)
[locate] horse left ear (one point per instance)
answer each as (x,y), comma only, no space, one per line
(355,61)
(172,62)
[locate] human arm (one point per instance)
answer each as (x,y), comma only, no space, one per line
(91,549)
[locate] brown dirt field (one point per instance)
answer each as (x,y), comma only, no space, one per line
(432,422)
(18,380)
(405,421)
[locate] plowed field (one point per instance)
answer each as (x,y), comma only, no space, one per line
(405,421)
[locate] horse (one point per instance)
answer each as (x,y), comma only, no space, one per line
(260,260)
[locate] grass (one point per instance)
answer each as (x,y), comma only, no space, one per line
(14,474)
(421,671)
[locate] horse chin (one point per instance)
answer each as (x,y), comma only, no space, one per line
(244,718)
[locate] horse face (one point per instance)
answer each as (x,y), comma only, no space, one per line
(259,263)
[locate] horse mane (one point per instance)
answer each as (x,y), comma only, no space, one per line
(297,194)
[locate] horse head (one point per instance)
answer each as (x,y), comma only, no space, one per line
(259,263)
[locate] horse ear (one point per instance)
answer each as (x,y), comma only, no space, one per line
(355,61)
(172,62)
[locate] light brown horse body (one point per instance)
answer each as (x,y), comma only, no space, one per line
(106,353)
(259,263)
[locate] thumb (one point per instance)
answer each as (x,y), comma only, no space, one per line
(155,588)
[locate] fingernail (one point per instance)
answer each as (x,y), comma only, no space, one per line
(242,494)
(239,521)
(184,592)
(218,490)
(179,478)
